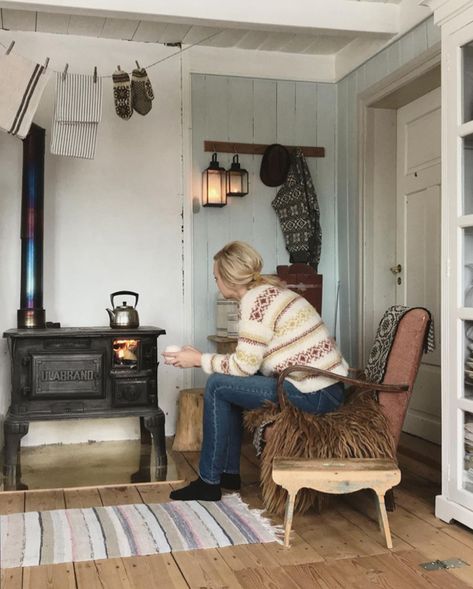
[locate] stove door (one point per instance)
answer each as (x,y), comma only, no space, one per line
(129,392)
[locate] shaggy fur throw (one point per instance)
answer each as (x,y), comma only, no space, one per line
(357,430)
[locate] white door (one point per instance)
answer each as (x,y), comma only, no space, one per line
(417,275)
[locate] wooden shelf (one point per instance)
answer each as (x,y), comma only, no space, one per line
(225,345)
(222,339)
(257,148)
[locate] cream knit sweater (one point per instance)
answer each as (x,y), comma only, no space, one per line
(279,328)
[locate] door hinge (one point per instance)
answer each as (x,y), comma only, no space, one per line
(451,563)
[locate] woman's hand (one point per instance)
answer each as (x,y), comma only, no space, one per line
(188,357)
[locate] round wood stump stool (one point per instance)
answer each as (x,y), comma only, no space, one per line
(189,421)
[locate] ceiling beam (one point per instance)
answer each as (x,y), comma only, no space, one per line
(274,65)
(302,16)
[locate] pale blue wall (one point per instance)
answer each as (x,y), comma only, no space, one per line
(387,61)
(269,111)
(259,111)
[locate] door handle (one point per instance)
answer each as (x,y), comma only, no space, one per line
(396,269)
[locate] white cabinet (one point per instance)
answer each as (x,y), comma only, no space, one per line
(456,20)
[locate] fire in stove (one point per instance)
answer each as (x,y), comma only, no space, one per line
(125,352)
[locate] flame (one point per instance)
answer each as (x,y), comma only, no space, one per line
(124,349)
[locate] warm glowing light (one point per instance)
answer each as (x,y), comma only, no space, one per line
(125,351)
(213,185)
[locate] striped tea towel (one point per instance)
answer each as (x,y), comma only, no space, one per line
(78,99)
(22,85)
(77,112)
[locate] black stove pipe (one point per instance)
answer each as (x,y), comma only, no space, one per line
(31,313)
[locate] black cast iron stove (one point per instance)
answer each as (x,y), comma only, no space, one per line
(71,372)
(83,372)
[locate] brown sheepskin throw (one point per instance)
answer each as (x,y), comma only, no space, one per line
(357,430)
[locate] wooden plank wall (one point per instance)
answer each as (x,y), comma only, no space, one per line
(396,55)
(258,111)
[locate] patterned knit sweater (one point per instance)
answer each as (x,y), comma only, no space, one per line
(279,328)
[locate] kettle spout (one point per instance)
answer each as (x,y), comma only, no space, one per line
(112,315)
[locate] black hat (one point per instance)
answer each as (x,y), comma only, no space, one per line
(275,165)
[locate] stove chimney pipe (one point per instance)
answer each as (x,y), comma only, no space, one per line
(31,313)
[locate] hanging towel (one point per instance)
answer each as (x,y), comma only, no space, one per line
(77,113)
(298,210)
(23,82)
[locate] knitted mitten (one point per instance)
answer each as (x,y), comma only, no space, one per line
(141,91)
(122,94)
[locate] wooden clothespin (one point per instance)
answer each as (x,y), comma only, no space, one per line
(46,63)
(95,74)
(64,73)
(137,65)
(10,47)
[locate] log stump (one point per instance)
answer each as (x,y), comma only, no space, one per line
(189,421)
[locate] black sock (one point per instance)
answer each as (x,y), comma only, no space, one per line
(230,481)
(198,490)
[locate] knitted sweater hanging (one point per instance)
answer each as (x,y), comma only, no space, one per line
(298,210)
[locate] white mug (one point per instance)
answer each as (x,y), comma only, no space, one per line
(171,348)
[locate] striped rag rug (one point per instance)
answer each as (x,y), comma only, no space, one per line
(71,535)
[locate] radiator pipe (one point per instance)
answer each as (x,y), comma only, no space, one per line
(31,313)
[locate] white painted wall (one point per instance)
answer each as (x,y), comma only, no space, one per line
(111,223)
(387,61)
(259,111)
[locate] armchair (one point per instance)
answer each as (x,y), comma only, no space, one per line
(367,425)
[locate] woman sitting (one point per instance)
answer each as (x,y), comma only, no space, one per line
(278,328)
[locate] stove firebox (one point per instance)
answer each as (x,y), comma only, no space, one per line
(85,372)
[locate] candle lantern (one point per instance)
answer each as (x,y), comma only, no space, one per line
(213,185)
(237,179)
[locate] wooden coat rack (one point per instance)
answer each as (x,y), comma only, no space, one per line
(257,148)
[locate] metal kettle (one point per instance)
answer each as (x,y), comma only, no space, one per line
(124,315)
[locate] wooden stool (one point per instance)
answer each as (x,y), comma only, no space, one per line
(189,421)
(336,476)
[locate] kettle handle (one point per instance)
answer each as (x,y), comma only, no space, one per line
(124,292)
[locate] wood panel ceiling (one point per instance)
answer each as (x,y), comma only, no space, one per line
(344,33)
(160,32)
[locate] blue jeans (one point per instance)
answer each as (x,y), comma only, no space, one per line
(225,398)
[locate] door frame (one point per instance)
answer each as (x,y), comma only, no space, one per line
(377,112)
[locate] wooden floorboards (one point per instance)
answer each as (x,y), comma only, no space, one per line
(340,548)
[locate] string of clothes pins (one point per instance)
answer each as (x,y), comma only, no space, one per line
(78,103)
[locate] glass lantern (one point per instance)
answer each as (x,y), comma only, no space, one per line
(237,179)
(213,185)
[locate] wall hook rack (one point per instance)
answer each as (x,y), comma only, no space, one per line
(257,148)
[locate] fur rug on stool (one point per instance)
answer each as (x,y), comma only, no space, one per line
(357,430)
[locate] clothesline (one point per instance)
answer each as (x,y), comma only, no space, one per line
(151,65)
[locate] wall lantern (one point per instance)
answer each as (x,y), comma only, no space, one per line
(213,185)
(237,179)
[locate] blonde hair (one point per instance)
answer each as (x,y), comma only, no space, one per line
(240,264)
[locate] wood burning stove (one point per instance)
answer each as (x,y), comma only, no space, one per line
(82,372)
(71,372)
